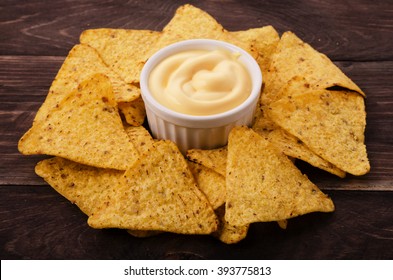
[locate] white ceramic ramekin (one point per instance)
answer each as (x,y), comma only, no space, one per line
(202,132)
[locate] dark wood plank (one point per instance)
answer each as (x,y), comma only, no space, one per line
(27,75)
(37,223)
(24,83)
(344,30)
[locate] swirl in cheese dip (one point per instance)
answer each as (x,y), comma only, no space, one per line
(200,82)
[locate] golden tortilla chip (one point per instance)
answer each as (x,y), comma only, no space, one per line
(210,183)
(330,123)
(283,224)
(264,40)
(190,22)
(264,185)
(85,127)
(293,57)
(134,112)
(228,233)
(81,63)
(215,159)
(292,146)
(85,186)
(158,193)
(141,138)
(123,50)
(296,85)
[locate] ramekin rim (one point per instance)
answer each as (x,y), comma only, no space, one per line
(203,120)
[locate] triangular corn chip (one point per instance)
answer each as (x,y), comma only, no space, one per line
(292,146)
(330,123)
(84,127)
(215,159)
(158,193)
(283,224)
(296,85)
(134,112)
(210,183)
(228,233)
(123,50)
(81,63)
(83,185)
(190,22)
(293,57)
(264,40)
(264,185)
(141,138)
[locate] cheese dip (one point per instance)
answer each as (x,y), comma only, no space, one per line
(200,82)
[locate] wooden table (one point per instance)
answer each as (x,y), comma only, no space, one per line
(37,223)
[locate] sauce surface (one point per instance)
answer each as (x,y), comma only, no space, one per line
(200,82)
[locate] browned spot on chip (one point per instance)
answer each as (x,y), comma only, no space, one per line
(215,159)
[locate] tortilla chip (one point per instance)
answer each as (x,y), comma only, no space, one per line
(134,112)
(215,159)
(264,40)
(141,138)
(296,85)
(85,127)
(81,63)
(158,193)
(84,186)
(283,224)
(210,183)
(190,22)
(330,123)
(293,57)
(292,146)
(228,233)
(123,50)
(263,185)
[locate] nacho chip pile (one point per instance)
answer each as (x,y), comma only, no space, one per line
(107,163)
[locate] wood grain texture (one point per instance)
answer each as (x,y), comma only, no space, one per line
(344,30)
(60,231)
(37,223)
